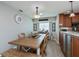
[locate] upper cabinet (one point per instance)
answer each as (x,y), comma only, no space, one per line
(68,22)
(64,20)
(61,20)
(75,18)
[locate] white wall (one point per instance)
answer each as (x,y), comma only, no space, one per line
(52,34)
(8,28)
(26,26)
(57,29)
(56,33)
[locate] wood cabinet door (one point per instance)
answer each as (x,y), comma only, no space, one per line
(65,20)
(75,46)
(75,18)
(61,42)
(68,22)
(61,20)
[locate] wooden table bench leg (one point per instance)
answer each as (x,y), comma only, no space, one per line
(19,47)
(38,51)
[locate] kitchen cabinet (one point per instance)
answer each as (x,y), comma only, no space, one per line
(65,20)
(75,18)
(68,22)
(61,20)
(75,46)
(61,41)
(69,44)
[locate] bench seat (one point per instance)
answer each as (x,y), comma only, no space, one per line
(17,53)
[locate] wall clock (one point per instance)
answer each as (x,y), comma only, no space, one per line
(18,19)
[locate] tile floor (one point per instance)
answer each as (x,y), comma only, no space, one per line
(53,49)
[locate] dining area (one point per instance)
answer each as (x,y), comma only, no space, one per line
(33,46)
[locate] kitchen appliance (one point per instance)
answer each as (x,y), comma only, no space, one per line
(75,26)
(65,29)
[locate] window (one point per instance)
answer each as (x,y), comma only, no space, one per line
(35,27)
(43,26)
(53,27)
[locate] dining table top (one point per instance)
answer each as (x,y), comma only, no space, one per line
(29,42)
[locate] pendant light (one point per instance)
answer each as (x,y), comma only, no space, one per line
(72,14)
(37,15)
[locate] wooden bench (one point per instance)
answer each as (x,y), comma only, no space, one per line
(17,53)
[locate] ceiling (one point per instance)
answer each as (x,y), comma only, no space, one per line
(47,8)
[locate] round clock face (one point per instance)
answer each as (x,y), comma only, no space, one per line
(18,19)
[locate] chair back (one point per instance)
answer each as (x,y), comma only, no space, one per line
(21,36)
(44,45)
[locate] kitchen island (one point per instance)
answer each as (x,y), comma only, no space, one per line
(69,43)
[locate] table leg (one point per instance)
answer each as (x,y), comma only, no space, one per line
(18,47)
(38,51)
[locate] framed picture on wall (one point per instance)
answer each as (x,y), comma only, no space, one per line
(53,27)
(18,19)
(35,27)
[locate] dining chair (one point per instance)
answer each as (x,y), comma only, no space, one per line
(21,36)
(44,45)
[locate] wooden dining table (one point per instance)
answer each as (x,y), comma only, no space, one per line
(29,42)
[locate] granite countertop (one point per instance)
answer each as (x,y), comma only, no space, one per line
(70,33)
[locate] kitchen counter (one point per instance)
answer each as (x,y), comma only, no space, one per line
(70,33)
(69,43)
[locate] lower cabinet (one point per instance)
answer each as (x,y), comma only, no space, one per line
(61,41)
(69,44)
(75,46)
